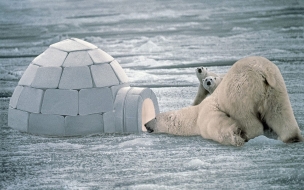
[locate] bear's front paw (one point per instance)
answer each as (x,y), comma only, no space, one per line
(238,137)
(233,135)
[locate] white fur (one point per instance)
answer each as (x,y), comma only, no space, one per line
(210,83)
(252,94)
(201,74)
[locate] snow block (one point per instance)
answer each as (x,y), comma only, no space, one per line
(132,103)
(15,97)
(120,73)
(98,56)
(50,58)
(103,75)
(89,45)
(18,119)
(119,107)
(143,92)
(133,108)
(30,100)
(133,125)
(45,124)
(76,78)
(78,58)
(118,87)
(60,102)
(83,124)
(47,77)
(28,75)
(95,100)
(109,122)
(69,45)
(155,102)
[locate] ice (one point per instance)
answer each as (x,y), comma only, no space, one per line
(15,97)
(196,164)
(30,100)
(83,124)
(60,102)
(47,77)
(92,46)
(103,75)
(18,119)
(50,58)
(70,45)
(263,140)
(28,75)
(76,78)
(95,100)
(109,123)
(78,58)
(45,124)
(150,187)
(138,142)
(98,56)
(123,78)
(149,46)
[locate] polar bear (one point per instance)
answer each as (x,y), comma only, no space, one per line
(201,74)
(251,97)
(210,83)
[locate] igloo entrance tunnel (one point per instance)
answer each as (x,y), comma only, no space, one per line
(75,88)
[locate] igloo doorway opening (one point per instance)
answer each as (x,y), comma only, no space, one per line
(148,112)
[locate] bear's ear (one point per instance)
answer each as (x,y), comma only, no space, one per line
(270,80)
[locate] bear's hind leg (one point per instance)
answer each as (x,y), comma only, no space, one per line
(225,130)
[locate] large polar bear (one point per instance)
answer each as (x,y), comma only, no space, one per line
(251,97)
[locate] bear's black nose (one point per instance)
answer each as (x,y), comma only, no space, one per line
(208,83)
(149,129)
(199,70)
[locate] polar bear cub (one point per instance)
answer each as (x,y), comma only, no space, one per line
(201,74)
(210,83)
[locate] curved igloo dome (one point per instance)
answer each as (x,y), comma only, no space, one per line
(75,88)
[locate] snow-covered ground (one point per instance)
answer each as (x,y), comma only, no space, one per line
(159,44)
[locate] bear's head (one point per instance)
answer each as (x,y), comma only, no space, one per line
(210,83)
(201,73)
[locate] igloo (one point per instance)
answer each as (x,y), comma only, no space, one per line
(75,88)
